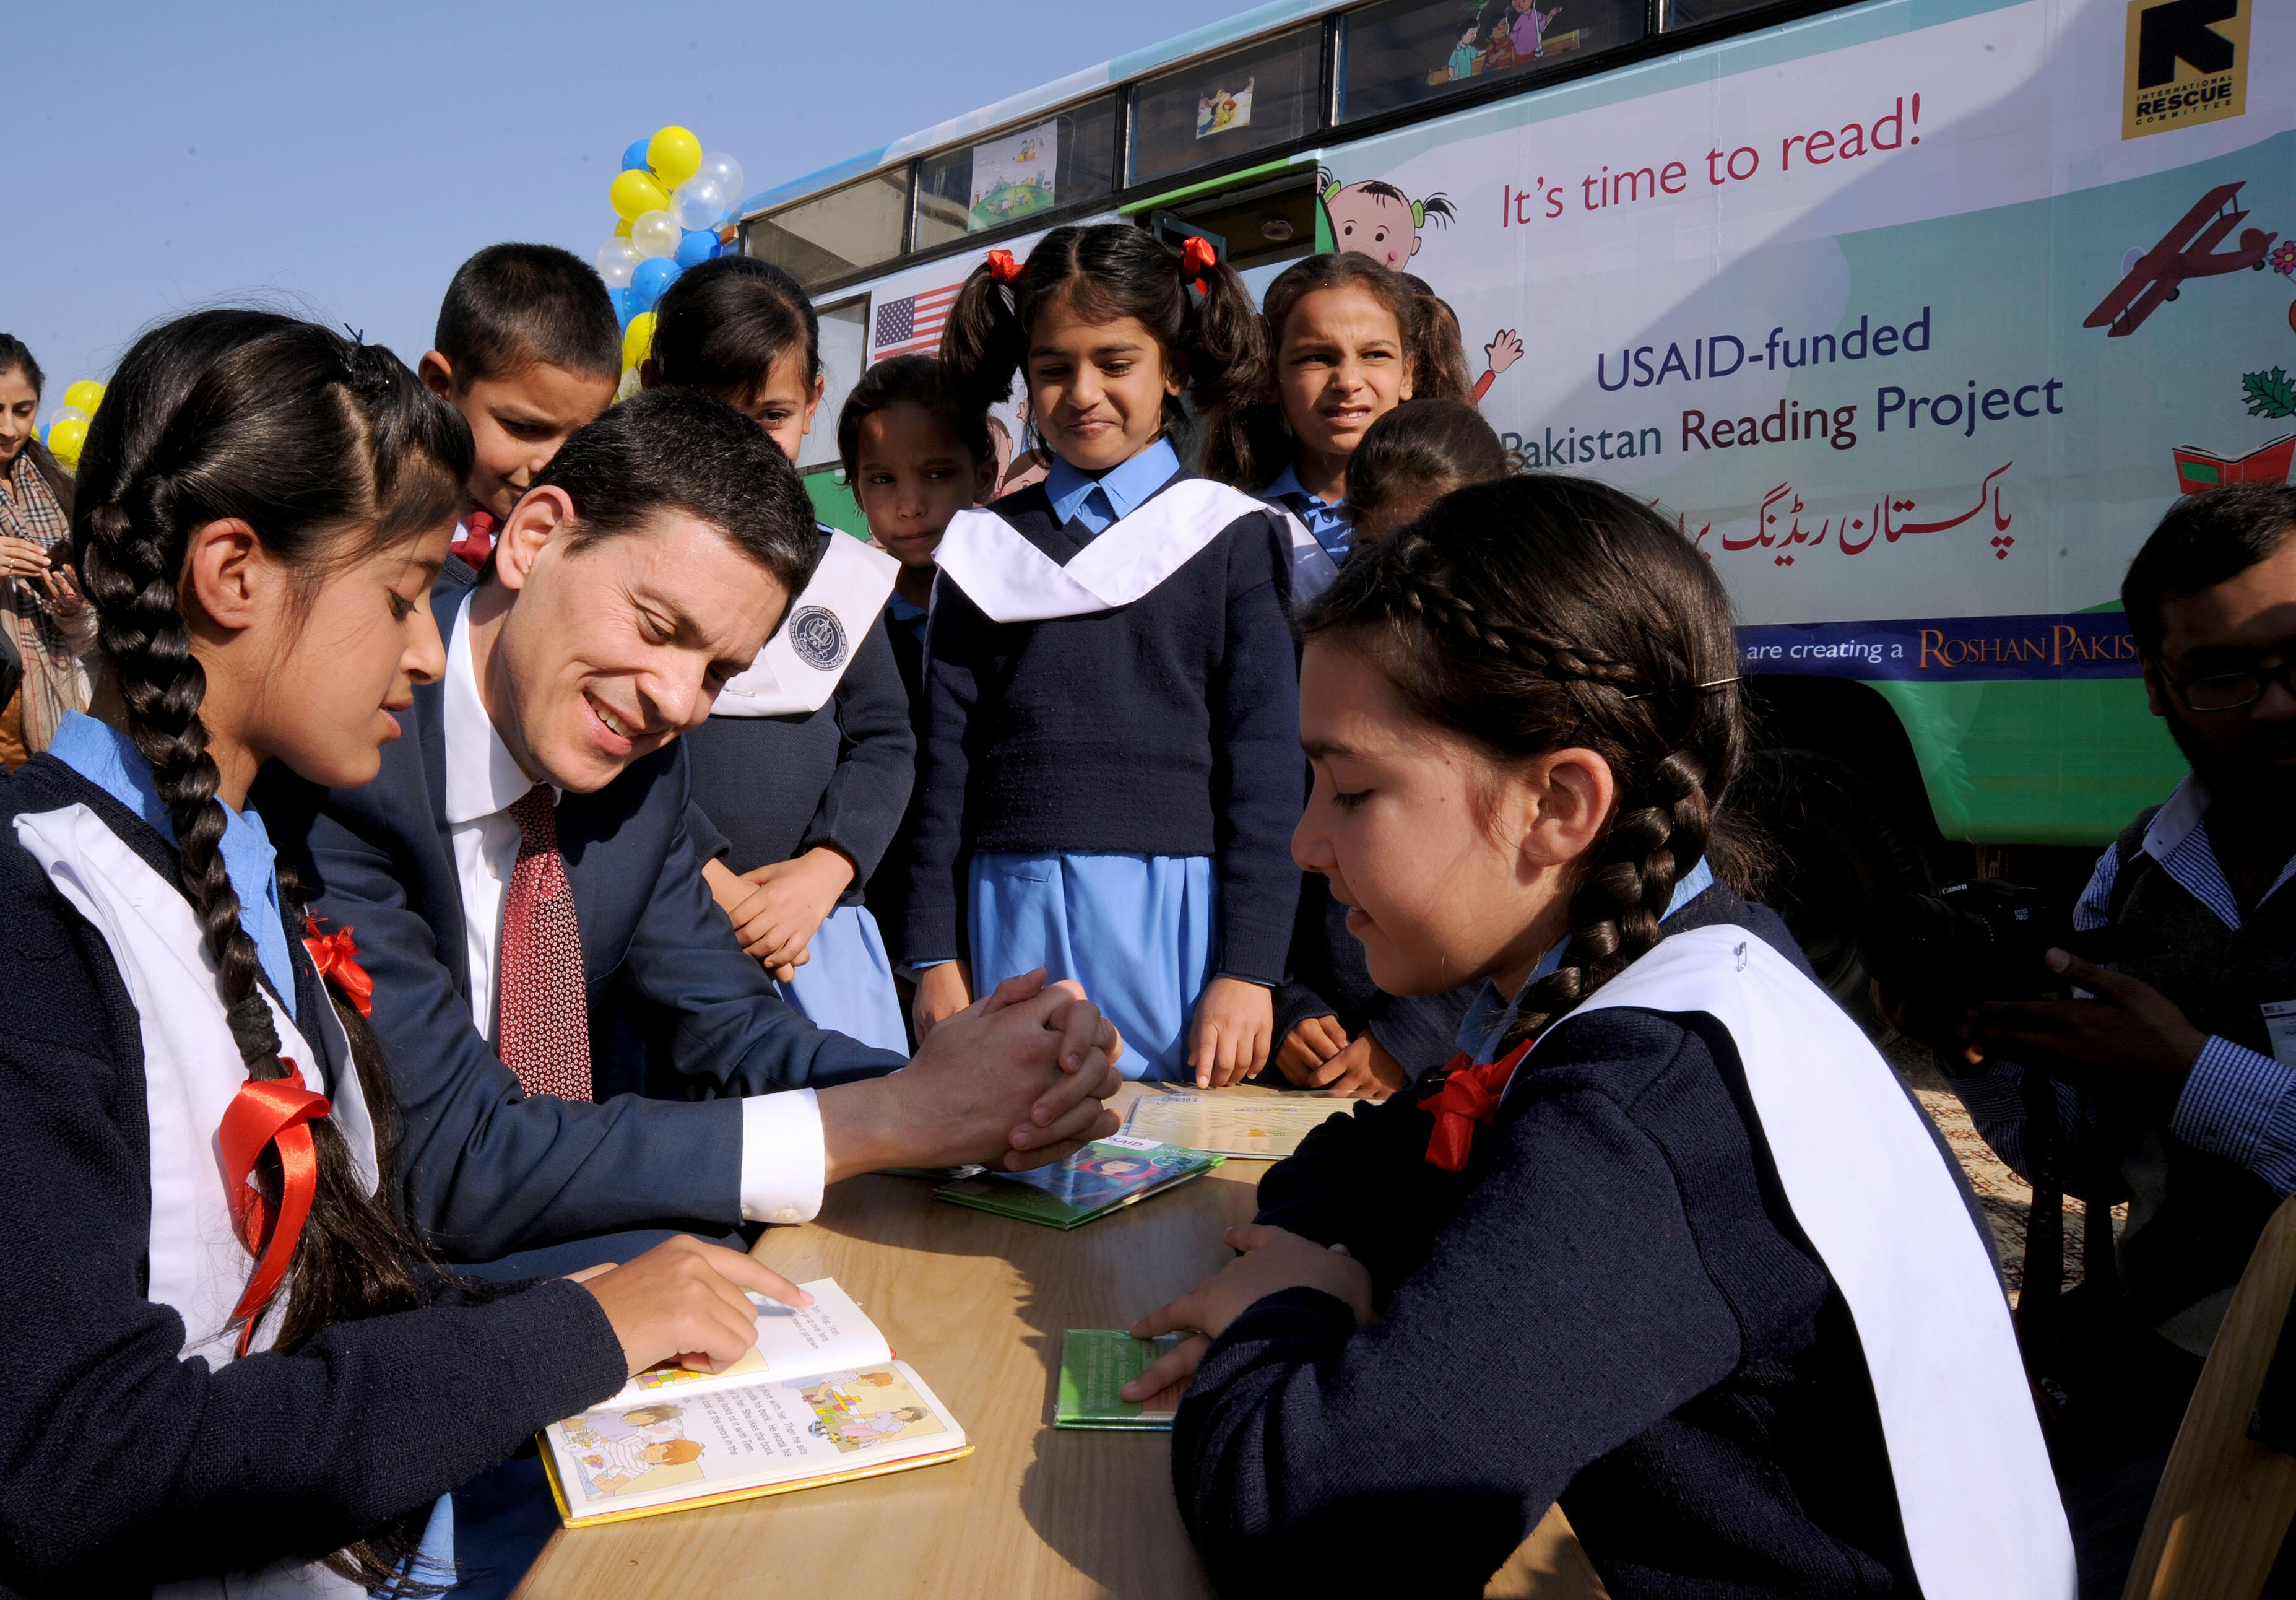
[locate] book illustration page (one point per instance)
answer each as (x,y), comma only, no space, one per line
(1254,1127)
(832,1332)
(756,1433)
(1104,1172)
(856,1410)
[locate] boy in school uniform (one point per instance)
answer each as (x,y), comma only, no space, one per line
(528,349)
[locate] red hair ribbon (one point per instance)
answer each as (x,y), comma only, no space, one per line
(337,958)
(1002,267)
(1469,1094)
(277,1112)
(1197,257)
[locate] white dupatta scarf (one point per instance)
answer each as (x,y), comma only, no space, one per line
(1011,580)
(805,661)
(1870,1190)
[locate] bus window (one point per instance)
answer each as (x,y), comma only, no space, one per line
(1059,162)
(1405,52)
(1689,13)
(1230,105)
(844,352)
(836,234)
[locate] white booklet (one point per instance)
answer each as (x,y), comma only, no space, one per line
(819,1400)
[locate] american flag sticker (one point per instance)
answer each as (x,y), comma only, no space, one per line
(913,323)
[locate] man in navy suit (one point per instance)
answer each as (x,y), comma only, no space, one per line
(524,848)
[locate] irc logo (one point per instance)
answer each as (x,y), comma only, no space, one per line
(2186,62)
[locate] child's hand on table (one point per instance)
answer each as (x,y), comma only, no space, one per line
(1312,1042)
(688,1301)
(1272,1260)
(942,991)
(1362,1071)
(1233,1029)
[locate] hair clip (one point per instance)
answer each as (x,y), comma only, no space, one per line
(1715,683)
(1197,257)
(1002,267)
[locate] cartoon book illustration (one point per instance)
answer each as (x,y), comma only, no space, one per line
(1103,1177)
(1245,1120)
(827,1403)
(1098,1362)
(2198,468)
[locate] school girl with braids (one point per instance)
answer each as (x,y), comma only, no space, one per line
(234,1368)
(1666,1242)
(1109,774)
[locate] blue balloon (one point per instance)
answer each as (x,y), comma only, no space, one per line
(697,247)
(633,158)
(621,299)
(648,282)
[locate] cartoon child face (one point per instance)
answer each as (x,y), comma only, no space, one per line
(1373,223)
(1112,1166)
(671,1452)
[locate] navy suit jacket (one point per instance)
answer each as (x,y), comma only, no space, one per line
(484,1169)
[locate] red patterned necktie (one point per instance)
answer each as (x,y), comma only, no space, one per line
(477,539)
(545,1017)
(1470,1094)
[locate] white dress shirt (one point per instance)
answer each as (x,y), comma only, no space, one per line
(784,1160)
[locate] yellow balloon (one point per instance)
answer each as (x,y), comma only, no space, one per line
(65,438)
(637,338)
(634,193)
(675,154)
(622,228)
(87,394)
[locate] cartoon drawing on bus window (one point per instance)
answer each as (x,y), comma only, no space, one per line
(1530,29)
(1375,218)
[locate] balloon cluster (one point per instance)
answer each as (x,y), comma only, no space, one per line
(677,204)
(68,428)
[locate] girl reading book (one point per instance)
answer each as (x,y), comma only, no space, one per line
(1666,1242)
(235,1370)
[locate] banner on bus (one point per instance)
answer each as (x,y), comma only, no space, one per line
(1881,307)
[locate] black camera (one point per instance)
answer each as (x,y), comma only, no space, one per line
(1942,954)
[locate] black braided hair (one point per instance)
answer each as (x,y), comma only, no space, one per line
(330,450)
(1548,611)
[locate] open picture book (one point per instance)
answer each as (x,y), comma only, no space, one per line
(820,1400)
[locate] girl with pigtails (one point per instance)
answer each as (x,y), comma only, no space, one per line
(1109,776)
(1666,1242)
(235,1368)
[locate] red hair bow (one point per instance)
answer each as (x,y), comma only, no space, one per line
(337,958)
(1469,1094)
(276,1112)
(1002,267)
(1197,257)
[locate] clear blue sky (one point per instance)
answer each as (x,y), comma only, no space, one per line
(341,161)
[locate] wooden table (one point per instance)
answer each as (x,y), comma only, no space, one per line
(976,1304)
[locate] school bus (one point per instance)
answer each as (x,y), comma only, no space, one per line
(1914,315)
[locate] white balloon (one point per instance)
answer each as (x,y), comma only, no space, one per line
(698,203)
(68,413)
(725,172)
(655,234)
(617,257)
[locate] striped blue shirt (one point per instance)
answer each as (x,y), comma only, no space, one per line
(2237,1102)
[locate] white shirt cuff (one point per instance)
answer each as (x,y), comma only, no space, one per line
(784,1158)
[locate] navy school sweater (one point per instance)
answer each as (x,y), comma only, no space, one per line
(1169,726)
(1612,1306)
(126,1466)
(771,788)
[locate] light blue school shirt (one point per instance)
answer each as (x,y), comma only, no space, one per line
(108,758)
(1328,520)
(1485,1026)
(1100,503)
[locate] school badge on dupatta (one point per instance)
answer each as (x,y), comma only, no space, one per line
(805,661)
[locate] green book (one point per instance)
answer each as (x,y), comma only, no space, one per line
(1105,1176)
(1098,1362)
